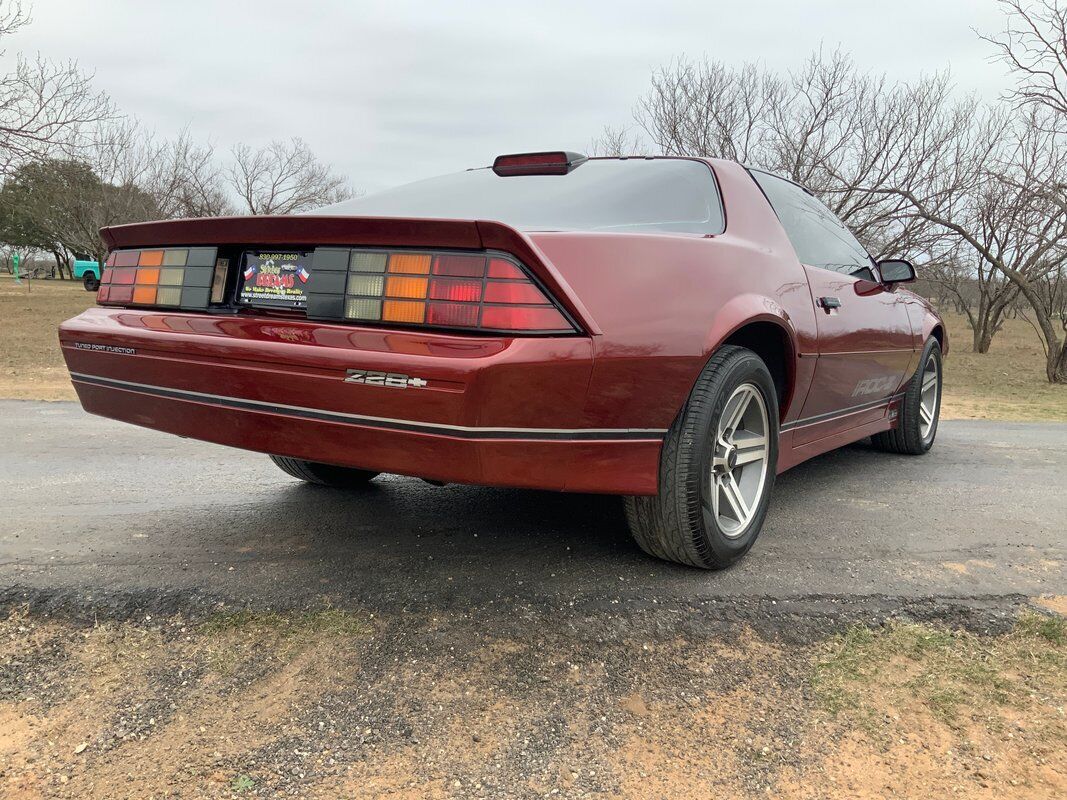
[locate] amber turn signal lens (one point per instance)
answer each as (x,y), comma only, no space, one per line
(410,263)
(405,287)
(403,311)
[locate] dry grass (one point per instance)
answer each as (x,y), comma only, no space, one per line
(32,366)
(1006,383)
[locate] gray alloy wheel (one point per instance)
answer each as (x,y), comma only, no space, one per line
(739,466)
(324,474)
(717,467)
(920,409)
(929,397)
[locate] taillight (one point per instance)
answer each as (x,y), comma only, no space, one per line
(170,278)
(462,290)
(448,290)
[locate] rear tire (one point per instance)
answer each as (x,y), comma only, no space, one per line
(90,282)
(921,409)
(324,474)
(717,467)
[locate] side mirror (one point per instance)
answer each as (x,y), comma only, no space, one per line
(896,270)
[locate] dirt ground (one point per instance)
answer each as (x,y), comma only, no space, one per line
(1006,383)
(328,704)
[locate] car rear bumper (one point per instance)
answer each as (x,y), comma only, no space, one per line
(493,411)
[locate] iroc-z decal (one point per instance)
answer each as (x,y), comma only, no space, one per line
(396,380)
(875,385)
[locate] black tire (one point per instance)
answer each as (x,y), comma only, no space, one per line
(908,437)
(678,524)
(90,282)
(324,474)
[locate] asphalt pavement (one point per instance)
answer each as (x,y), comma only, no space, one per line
(95,508)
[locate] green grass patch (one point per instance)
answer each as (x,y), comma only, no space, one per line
(328,622)
(242,783)
(867,673)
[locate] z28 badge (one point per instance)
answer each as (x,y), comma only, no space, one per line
(393,379)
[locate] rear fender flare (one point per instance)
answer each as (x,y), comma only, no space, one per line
(746,309)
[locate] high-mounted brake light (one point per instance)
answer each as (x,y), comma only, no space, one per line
(551,163)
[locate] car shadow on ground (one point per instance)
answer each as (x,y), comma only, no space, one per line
(401,519)
(403,542)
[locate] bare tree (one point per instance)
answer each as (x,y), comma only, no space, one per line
(840,132)
(617,141)
(977,290)
(709,109)
(1034,46)
(114,182)
(45,106)
(188,181)
(284,178)
(1009,208)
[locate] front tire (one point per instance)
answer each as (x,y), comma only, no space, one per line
(717,467)
(324,474)
(921,409)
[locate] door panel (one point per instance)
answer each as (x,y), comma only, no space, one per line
(865,339)
(865,350)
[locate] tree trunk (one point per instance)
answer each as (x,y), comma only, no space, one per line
(983,338)
(1056,367)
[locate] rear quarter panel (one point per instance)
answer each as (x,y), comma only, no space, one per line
(666,302)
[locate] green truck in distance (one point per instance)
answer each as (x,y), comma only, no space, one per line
(89,272)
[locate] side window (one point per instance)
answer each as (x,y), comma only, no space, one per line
(819,238)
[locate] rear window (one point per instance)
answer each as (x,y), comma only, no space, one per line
(633,195)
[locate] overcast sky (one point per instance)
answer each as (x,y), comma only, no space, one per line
(394,91)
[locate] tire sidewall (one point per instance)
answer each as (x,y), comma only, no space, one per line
(931,350)
(749,369)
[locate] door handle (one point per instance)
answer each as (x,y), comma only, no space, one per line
(829,303)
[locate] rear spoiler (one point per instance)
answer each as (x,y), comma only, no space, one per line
(315,231)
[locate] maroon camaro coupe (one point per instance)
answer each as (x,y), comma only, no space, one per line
(674,330)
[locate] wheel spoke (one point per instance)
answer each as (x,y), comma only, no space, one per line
(731,420)
(750,447)
(924,412)
(732,493)
(748,456)
(929,382)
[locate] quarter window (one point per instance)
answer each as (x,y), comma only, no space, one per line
(819,238)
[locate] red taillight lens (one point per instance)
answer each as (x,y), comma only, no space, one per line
(522,318)
(461,291)
(514,293)
(452,315)
(450,290)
